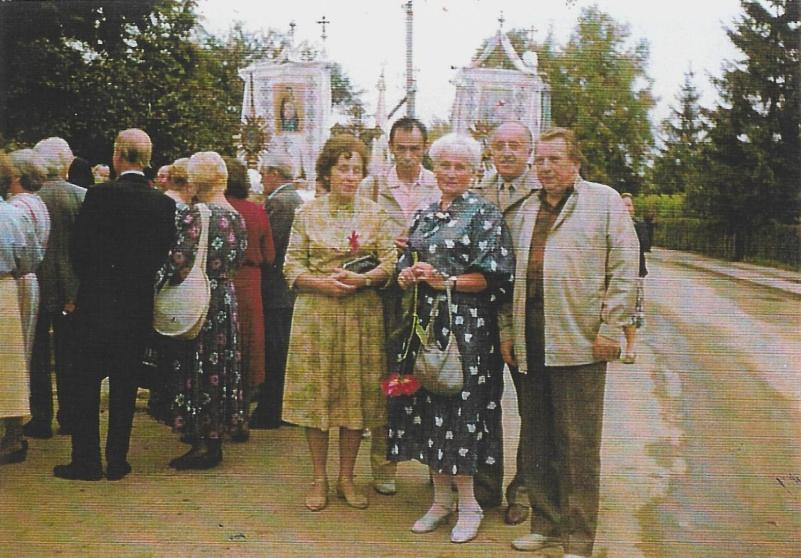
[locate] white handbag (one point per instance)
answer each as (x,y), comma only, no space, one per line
(180,311)
(440,369)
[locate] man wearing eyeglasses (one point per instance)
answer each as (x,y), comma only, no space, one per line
(512,183)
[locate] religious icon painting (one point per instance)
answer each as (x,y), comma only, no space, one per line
(288,108)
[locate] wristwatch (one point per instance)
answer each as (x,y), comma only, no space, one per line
(450,282)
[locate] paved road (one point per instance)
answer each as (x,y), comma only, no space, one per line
(700,459)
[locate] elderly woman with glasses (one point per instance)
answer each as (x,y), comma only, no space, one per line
(460,242)
(336,355)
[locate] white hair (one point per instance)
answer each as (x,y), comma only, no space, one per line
(56,156)
(457,145)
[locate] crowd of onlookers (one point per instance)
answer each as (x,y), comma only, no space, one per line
(317,312)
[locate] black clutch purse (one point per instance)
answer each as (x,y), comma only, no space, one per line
(362,265)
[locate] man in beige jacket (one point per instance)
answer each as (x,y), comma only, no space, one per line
(575,289)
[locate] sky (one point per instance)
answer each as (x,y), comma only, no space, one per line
(366,36)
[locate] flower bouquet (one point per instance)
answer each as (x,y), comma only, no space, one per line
(397,384)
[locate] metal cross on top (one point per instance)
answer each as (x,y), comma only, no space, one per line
(323,22)
(501,20)
(292,26)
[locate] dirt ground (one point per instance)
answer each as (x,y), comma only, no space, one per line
(251,505)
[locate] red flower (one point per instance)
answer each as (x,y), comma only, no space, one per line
(397,384)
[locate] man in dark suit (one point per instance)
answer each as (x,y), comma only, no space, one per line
(281,203)
(58,286)
(122,236)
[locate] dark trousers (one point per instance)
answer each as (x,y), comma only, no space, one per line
(561,423)
(488,480)
(41,397)
(121,367)
(277,326)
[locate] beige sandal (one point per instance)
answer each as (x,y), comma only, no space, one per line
(317,497)
(352,496)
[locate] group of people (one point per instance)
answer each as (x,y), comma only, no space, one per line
(539,266)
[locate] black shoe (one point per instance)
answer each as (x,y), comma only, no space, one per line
(240,434)
(515,514)
(16,456)
(201,456)
(78,472)
(117,472)
(64,430)
(37,429)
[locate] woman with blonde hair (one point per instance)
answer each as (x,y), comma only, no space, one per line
(207,375)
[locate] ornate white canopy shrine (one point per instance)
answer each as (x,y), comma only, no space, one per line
(290,97)
(485,97)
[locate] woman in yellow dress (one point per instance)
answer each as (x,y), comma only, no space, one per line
(336,354)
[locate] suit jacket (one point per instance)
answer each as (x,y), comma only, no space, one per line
(281,206)
(524,186)
(58,282)
(122,236)
(589,275)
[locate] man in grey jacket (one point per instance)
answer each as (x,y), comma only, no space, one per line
(58,284)
(575,290)
(508,187)
(281,203)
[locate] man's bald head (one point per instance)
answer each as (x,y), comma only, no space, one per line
(133,148)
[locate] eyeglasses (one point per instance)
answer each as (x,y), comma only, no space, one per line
(511,145)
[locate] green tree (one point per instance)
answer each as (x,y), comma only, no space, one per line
(675,168)
(752,161)
(84,71)
(600,89)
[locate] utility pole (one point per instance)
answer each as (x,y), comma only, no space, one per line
(410,86)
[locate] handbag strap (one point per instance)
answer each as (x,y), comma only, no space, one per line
(416,329)
(202,250)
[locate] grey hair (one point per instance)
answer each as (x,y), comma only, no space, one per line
(30,169)
(459,145)
(56,156)
(280,161)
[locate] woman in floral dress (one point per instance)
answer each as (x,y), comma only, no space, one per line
(207,375)
(460,241)
(336,356)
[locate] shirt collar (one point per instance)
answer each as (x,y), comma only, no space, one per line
(394,181)
(513,184)
(132,172)
(275,192)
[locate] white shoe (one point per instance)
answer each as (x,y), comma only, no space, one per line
(387,488)
(534,542)
(574,556)
(466,527)
(433,518)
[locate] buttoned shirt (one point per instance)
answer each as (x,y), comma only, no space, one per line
(408,195)
(546,217)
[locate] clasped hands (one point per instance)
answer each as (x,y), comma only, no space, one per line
(425,272)
(341,283)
